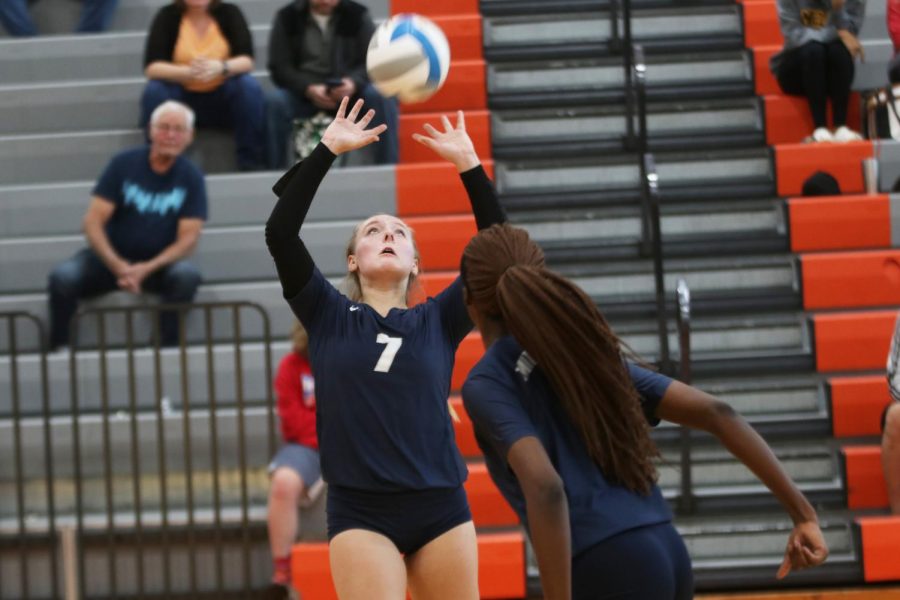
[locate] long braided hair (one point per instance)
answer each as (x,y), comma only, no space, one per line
(563,331)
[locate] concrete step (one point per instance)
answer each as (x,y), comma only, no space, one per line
(234,200)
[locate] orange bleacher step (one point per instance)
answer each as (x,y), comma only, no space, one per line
(880,547)
(478,126)
(464,89)
(465,433)
(840,222)
(489,508)
(432,189)
(763,79)
(794,163)
(864,477)
(436,8)
(788,119)
(853,341)
(761,26)
(469,352)
(851,279)
(441,239)
(501,567)
(857,404)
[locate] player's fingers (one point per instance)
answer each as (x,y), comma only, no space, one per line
(785,567)
(376,131)
(366,119)
(446,122)
(431,130)
(460,120)
(354,112)
(424,140)
(342,109)
(814,557)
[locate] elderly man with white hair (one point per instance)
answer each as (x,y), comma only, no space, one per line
(144,219)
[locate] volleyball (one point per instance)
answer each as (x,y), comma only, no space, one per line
(408,57)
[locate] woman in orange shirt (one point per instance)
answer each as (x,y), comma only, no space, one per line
(200,52)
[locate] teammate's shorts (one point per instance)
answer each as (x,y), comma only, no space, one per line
(302,459)
(409,519)
(637,564)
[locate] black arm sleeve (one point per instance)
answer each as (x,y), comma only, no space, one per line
(295,190)
(485,203)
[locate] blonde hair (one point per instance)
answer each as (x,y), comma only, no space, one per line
(299,338)
(351,285)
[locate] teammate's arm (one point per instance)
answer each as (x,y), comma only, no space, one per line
(688,406)
(548,515)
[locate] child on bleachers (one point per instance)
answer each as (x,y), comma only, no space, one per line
(820,45)
(890,425)
(294,471)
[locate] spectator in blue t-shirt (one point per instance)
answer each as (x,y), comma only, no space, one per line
(145,217)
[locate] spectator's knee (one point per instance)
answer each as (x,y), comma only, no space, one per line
(63,281)
(813,52)
(184,279)
(286,486)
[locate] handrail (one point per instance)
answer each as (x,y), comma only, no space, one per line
(683,319)
(650,197)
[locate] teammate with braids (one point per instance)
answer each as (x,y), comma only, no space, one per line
(562,420)
(397,513)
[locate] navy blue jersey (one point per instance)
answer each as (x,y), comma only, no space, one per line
(381,388)
(509,398)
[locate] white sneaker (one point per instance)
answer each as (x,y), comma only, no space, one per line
(819,135)
(845,134)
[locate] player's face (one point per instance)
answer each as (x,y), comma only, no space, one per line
(170,134)
(384,247)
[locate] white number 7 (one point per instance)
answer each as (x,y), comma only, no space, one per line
(387,357)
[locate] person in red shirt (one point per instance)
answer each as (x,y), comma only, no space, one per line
(294,470)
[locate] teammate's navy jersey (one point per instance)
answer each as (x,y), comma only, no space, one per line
(381,388)
(509,398)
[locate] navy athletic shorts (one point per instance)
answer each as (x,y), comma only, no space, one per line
(637,564)
(409,519)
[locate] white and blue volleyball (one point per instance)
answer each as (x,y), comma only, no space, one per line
(408,57)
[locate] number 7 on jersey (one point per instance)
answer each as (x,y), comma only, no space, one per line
(387,357)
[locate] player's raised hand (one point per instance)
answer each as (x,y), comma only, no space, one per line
(805,548)
(453,144)
(346,133)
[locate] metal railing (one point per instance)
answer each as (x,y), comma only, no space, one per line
(683,319)
(156,453)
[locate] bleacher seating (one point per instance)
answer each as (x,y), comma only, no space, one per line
(794,298)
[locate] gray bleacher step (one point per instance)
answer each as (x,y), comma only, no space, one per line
(234,200)
(722,336)
(224,254)
(612,176)
(572,75)
(80,59)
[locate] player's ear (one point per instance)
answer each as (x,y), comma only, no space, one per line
(352,265)
(415,268)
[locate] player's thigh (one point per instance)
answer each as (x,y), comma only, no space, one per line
(366,566)
(446,568)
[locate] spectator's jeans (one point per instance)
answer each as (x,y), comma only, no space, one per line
(95,16)
(86,276)
(238,104)
(284,106)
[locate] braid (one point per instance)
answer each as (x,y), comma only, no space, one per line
(562,329)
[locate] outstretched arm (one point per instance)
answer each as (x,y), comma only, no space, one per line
(688,406)
(455,146)
(297,188)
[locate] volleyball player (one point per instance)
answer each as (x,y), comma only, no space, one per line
(562,420)
(397,513)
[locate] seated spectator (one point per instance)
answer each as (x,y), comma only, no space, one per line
(890,425)
(821,183)
(816,62)
(317,55)
(145,217)
(295,468)
(95,17)
(200,52)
